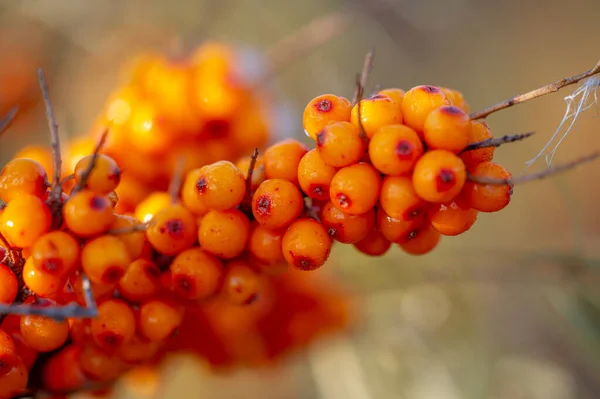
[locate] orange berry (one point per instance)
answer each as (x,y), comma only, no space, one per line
(135,240)
(355,188)
(439,176)
(159,319)
(314,175)
(456,98)
(340,144)
(88,214)
(104,177)
(56,253)
(40,154)
(281,160)
(196,274)
(322,110)
(24,220)
(447,128)
(397,95)
(488,197)
(172,230)
(114,325)
(8,353)
(100,365)
(450,219)
(258,173)
(131,192)
(8,285)
(422,240)
(14,382)
(221,185)
(191,196)
(276,203)
(306,244)
(264,245)
(419,102)
(12,326)
(344,227)
(394,149)
(41,283)
(375,112)
(374,244)
(399,200)
(44,334)
(140,281)
(62,372)
(224,233)
(147,131)
(138,350)
(241,284)
(479,132)
(397,230)
(22,176)
(105,259)
(151,205)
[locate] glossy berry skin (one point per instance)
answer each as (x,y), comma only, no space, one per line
(399,199)
(22,176)
(397,230)
(88,214)
(276,203)
(340,144)
(264,245)
(140,281)
(315,175)
(196,274)
(488,197)
(191,197)
(104,177)
(153,204)
(452,219)
(158,319)
(221,185)
(479,132)
(439,176)
(44,334)
(421,241)
(306,244)
(41,283)
(374,244)
(281,160)
(173,230)
(241,285)
(375,112)
(419,102)
(105,259)
(56,252)
(224,233)
(447,128)
(24,220)
(394,149)
(355,189)
(8,285)
(114,326)
(346,228)
(322,110)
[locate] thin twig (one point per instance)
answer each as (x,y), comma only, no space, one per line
(176,179)
(535,176)
(66,179)
(364,76)
(54,135)
(251,167)
(86,173)
(542,91)
(497,141)
(8,119)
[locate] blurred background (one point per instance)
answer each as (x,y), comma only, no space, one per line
(511,309)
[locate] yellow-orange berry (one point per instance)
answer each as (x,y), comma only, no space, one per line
(322,110)
(375,112)
(196,274)
(447,128)
(439,176)
(355,188)
(88,214)
(22,176)
(276,203)
(224,233)
(24,220)
(221,185)
(104,176)
(281,160)
(172,230)
(451,219)
(306,244)
(399,200)
(340,144)
(394,149)
(488,197)
(315,175)
(479,132)
(419,102)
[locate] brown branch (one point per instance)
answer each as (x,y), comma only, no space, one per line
(535,176)
(8,119)
(86,173)
(539,92)
(251,167)
(497,141)
(176,179)
(364,77)
(66,179)
(54,136)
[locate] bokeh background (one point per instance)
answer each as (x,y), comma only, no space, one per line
(511,309)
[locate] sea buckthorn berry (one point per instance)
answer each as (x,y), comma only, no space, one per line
(172,230)
(479,132)
(44,334)
(397,230)
(104,177)
(421,241)
(56,252)
(394,149)
(276,203)
(346,228)
(224,233)
(14,382)
(419,102)
(140,281)
(100,365)
(322,110)
(8,354)
(456,98)
(41,283)
(447,128)
(40,154)
(439,176)
(451,219)
(62,372)
(151,205)
(314,175)
(488,197)
(8,285)
(340,144)
(24,220)
(22,176)
(258,173)
(12,325)
(281,160)
(105,259)
(397,95)
(399,200)
(375,112)
(221,185)
(88,214)
(135,240)
(138,350)
(241,284)
(264,245)
(191,197)
(306,244)
(114,325)
(374,244)
(355,188)
(196,274)
(159,319)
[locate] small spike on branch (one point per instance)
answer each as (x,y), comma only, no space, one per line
(8,119)
(497,141)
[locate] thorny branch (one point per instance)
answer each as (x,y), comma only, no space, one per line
(497,141)
(86,173)
(54,135)
(364,77)
(8,119)
(539,92)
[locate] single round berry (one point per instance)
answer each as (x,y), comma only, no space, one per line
(114,325)
(276,203)
(158,319)
(41,283)
(375,112)
(322,110)
(224,233)
(105,259)
(221,185)
(419,102)
(451,219)
(394,149)
(315,175)
(88,214)
(478,133)
(344,227)
(456,98)
(340,144)
(104,176)
(488,197)
(8,285)
(196,274)
(399,200)
(421,241)
(140,281)
(306,244)
(22,176)
(397,230)
(281,160)
(44,334)
(264,245)
(439,176)
(447,128)
(56,252)
(24,220)
(241,285)
(355,189)
(172,230)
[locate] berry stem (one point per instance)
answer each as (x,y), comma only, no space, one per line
(497,141)
(363,77)
(66,179)
(535,176)
(54,136)
(176,179)
(86,173)
(251,167)
(8,119)
(539,92)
